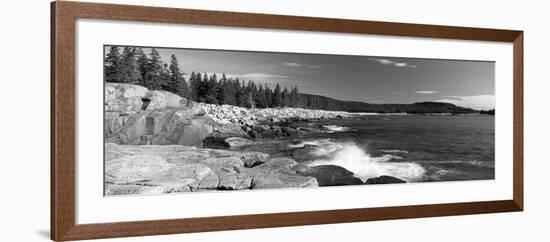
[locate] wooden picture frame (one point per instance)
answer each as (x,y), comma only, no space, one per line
(63,18)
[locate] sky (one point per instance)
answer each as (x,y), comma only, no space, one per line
(368,79)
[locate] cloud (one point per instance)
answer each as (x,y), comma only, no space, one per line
(260,76)
(392,63)
(383,61)
(426,92)
(315,66)
(477,102)
(293,64)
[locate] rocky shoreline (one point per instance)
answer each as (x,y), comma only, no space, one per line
(160,169)
(157,169)
(250,116)
(138,116)
(231,121)
(154,144)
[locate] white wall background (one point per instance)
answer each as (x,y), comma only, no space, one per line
(24,139)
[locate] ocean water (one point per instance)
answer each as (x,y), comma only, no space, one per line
(415,148)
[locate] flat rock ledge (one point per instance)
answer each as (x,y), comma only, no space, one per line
(158,169)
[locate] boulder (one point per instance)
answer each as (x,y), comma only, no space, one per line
(130,97)
(123,129)
(228,129)
(124,97)
(252,159)
(194,133)
(163,99)
(384,180)
(331,175)
(282,180)
(290,131)
(231,180)
(277,164)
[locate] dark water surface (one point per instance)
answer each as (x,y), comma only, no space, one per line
(415,148)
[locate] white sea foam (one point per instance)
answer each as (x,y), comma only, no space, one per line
(387,157)
(335,128)
(318,142)
(356,160)
(394,151)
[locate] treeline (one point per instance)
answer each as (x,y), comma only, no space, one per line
(148,70)
(232,91)
(489,112)
(321,102)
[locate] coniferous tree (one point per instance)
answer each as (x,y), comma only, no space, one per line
(199,84)
(112,65)
(198,87)
(238,91)
(277,98)
(203,87)
(260,98)
(294,98)
(128,71)
(150,81)
(175,76)
(220,93)
(252,90)
(155,62)
(285,96)
(162,81)
(194,83)
(268,96)
(142,63)
(229,92)
(244,96)
(184,88)
(154,77)
(211,88)
(177,83)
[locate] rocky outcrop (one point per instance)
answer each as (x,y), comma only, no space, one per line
(156,169)
(384,180)
(331,175)
(135,115)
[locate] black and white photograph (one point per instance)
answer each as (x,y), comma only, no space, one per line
(182,120)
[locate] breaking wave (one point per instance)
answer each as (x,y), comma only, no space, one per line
(351,157)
